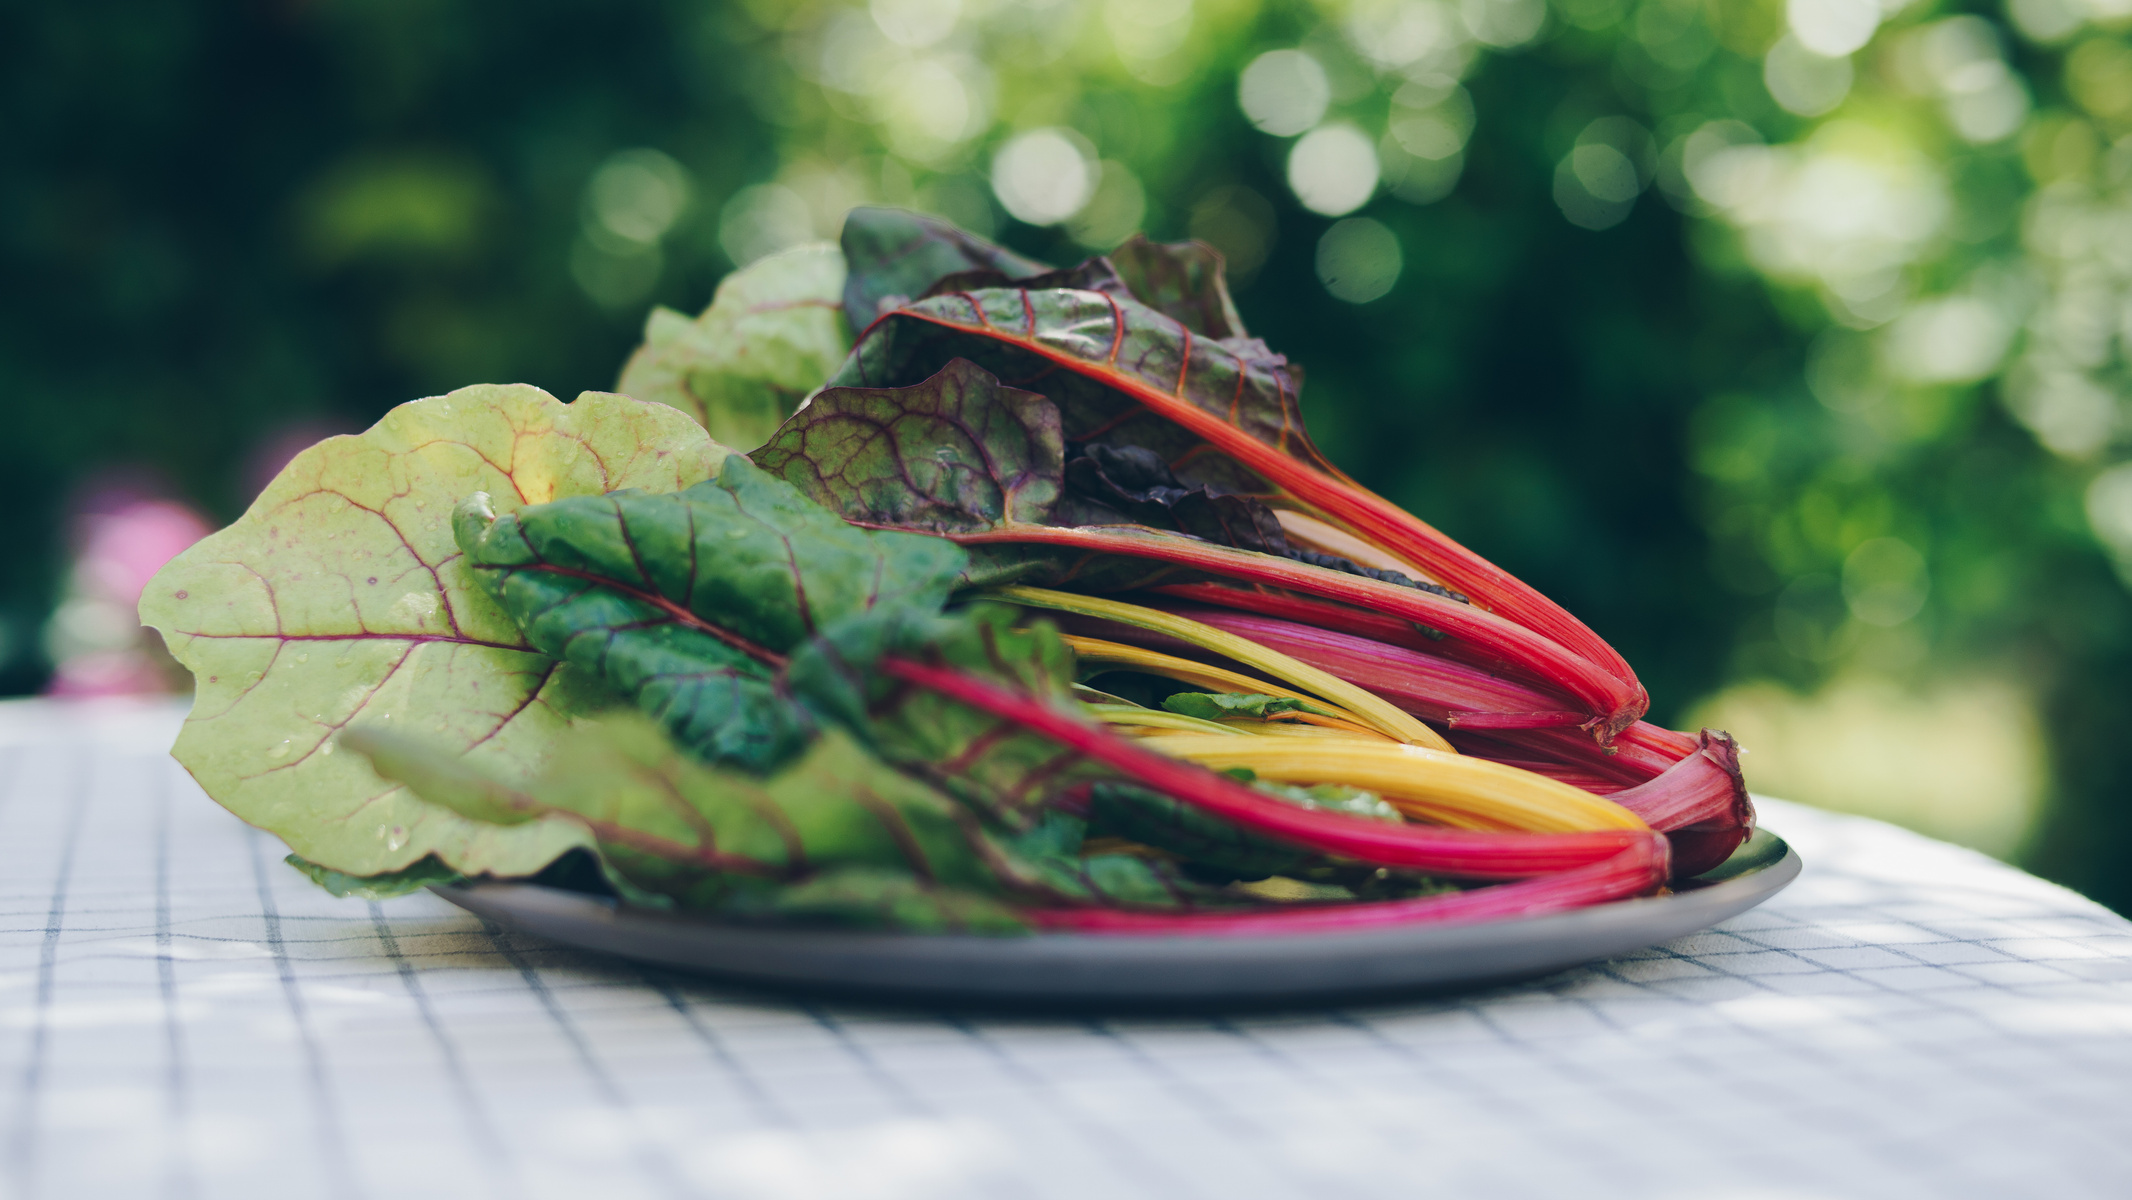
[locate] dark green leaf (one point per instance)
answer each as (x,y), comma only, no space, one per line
(1152,819)
(995,767)
(874,898)
(745,553)
(424,872)
(892,255)
(816,839)
(701,834)
(1214,706)
(1217,851)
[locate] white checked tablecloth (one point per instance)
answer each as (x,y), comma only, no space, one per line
(183,1016)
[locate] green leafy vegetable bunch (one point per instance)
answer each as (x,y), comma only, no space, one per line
(1031,606)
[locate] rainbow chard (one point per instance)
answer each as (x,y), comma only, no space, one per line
(1689,787)
(1220,411)
(982,464)
(637,587)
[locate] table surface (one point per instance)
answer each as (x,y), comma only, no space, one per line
(183,1016)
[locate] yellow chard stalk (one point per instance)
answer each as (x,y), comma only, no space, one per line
(1446,789)
(1367,707)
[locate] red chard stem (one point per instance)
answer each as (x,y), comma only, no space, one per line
(1611,703)
(1436,850)
(1332,496)
(1633,871)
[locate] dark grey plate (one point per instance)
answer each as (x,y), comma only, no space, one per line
(1079,969)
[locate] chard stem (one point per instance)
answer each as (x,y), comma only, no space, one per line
(1635,870)
(1454,790)
(1343,502)
(1367,706)
(1452,852)
(1614,703)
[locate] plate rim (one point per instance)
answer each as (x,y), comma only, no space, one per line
(1076,968)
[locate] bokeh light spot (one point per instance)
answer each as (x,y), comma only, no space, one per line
(1959,60)
(2069,413)
(1503,23)
(1833,28)
(1605,172)
(762,220)
(1404,35)
(927,108)
(1885,581)
(1359,260)
(1238,222)
(2047,20)
(1802,81)
(1115,210)
(916,23)
(637,195)
(1333,169)
(1043,176)
(2099,75)
(1148,35)
(1950,340)
(2109,504)
(1597,182)
(1283,92)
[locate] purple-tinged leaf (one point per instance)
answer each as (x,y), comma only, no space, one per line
(956,453)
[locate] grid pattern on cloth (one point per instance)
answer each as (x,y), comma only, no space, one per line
(183,1016)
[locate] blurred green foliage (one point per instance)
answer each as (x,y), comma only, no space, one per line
(1778,341)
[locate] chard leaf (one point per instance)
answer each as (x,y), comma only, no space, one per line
(1214,706)
(1223,413)
(1153,819)
(978,499)
(426,872)
(1122,373)
(708,837)
(1217,851)
(774,330)
(705,589)
(957,452)
(997,768)
(834,835)
(340,597)
(1334,797)
(640,590)
(894,255)
(1182,280)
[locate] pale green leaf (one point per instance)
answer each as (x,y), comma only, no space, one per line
(340,596)
(774,331)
